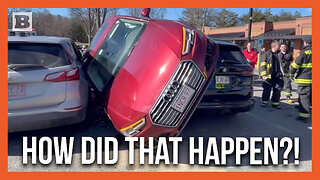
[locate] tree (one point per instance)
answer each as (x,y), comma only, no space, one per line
(134,12)
(198,17)
(257,16)
(286,16)
(267,15)
(50,25)
(77,32)
(112,11)
(158,13)
(155,13)
(225,18)
(92,18)
(87,17)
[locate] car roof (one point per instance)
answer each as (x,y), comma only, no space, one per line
(39,39)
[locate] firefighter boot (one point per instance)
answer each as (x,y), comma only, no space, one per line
(303,119)
(276,105)
(264,104)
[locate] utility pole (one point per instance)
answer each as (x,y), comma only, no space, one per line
(250,24)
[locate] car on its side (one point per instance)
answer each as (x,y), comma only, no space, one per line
(46,87)
(231,88)
(148,74)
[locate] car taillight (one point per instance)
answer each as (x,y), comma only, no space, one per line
(56,77)
(72,74)
(69,75)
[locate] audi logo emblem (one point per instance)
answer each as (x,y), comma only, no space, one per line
(172,89)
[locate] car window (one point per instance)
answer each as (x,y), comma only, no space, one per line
(46,55)
(12,33)
(231,54)
(98,36)
(76,50)
(118,43)
(71,55)
(114,50)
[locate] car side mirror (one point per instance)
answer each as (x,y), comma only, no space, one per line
(145,12)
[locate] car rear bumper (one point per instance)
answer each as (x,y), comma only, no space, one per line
(241,106)
(42,120)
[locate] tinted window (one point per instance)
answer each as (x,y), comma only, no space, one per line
(47,55)
(76,50)
(118,43)
(71,55)
(231,54)
(98,35)
(114,50)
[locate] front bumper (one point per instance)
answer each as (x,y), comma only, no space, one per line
(241,106)
(155,130)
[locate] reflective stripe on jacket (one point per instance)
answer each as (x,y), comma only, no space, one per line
(266,64)
(303,67)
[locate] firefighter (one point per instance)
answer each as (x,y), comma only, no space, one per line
(302,67)
(286,59)
(272,74)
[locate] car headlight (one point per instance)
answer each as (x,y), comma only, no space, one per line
(134,128)
(188,40)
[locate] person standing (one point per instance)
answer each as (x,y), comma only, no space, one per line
(286,59)
(251,55)
(272,74)
(302,67)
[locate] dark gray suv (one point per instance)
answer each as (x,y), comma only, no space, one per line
(231,89)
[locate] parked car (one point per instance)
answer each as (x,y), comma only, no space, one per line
(21,33)
(46,87)
(149,75)
(231,89)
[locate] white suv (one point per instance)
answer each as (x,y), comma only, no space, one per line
(46,87)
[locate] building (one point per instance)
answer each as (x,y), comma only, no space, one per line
(262,34)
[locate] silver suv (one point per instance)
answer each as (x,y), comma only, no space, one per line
(46,86)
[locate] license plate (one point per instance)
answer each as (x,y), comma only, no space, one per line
(222,80)
(16,90)
(183,98)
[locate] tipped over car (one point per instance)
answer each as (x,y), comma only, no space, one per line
(149,75)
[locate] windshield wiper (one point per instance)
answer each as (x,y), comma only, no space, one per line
(24,66)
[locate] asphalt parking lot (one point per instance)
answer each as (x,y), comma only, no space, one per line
(260,122)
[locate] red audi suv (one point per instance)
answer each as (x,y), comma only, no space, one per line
(148,74)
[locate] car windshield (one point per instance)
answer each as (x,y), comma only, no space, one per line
(36,55)
(114,50)
(231,54)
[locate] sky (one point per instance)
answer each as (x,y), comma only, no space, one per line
(175,13)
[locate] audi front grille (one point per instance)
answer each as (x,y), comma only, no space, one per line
(187,76)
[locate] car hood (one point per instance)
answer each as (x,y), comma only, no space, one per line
(145,73)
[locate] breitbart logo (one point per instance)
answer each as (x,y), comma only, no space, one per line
(22,21)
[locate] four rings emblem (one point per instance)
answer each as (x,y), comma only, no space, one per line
(171,90)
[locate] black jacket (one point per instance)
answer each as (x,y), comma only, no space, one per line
(286,60)
(303,67)
(270,65)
